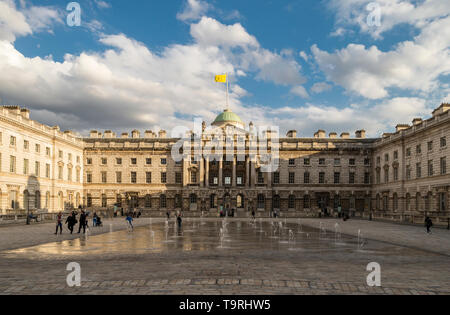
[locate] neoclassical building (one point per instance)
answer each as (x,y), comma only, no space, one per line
(400,176)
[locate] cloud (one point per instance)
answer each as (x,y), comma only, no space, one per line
(102,4)
(412,65)
(193,10)
(12,22)
(300,91)
(321,87)
(42,19)
(393,13)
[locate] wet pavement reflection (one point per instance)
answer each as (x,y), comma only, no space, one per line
(203,235)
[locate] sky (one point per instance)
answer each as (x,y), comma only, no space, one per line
(337,65)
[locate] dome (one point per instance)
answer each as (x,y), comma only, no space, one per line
(228,117)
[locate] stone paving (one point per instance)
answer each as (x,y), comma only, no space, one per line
(252,260)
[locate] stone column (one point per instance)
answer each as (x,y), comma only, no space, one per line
(202,172)
(247,172)
(207,172)
(185,173)
(253,171)
(234,180)
(221,172)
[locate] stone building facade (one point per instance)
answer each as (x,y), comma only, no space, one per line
(401,176)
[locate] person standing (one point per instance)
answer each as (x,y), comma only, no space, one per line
(129,219)
(180,221)
(59,223)
(428,224)
(71,221)
(82,222)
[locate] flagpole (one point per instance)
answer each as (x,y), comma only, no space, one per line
(228,107)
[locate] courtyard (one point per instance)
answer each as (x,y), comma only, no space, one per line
(227,257)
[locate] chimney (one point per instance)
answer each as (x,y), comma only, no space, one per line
(135,134)
(417,121)
(109,134)
(360,134)
(149,134)
(320,134)
(125,135)
(441,109)
(94,134)
(345,135)
(25,113)
(332,135)
(401,127)
(386,134)
(292,134)
(162,134)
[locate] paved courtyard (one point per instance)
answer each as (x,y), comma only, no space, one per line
(307,256)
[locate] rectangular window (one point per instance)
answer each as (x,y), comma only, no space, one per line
(418,170)
(386,175)
(321,178)
(378,160)
(178,178)
(419,149)
(12,141)
(148,161)
(133,161)
(26,145)
(119,177)
(321,161)
(443,166)
(443,142)
(386,157)
(163,178)
(47,151)
(408,172)
(366,162)
(291,162)
(306,178)
(408,152)
(47,170)
(60,154)
(366,178)
(307,162)
(69,174)
(12,164)
(148,177)
(70,157)
(239,181)
(352,162)
(276,178)
(395,155)
(430,146)
(133,178)
(37,169)
(118,161)
(395,173)
(337,162)
(104,161)
(25,167)
(89,161)
(351,178)
(337,178)
(37,148)
(89,178)
(60,172)
(430,168)
(104,177)
(227,180)
(260,178)
(163,161)
(291,178)
(78,175)
(194,178)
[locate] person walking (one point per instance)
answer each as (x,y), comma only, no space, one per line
(59,223)
(253,214)
(71,221)
(428,224)
(129,219)
(179,221)
(82,222)
(94,220)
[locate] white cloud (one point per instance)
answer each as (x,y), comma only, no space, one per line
(321,87)
(12,22)
(42,18)
(300,91)
(393,13)
(411,65)
(103,4)
(193,10)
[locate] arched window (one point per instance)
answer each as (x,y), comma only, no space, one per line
(276,202)
(261,201)
(291,202)
(306,202)
(239,201)
(148,201)
(162,201)
(177,201)
(37,199)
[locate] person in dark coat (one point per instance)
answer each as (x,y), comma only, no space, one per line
(428,224)
(82,222)
(180,221)
(71,221)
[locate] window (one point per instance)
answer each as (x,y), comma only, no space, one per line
(418,170)
(321,161)
(60,172)
(212,202)
(104,177)
(337,162)
(261,201)
(291,202)
(306,202)
(291,162)
(307,162)
(239,201)
(408,172)
(60,154)
(104,201)
(276,178)
(70,156)
(276,202)
(163,201)
(119,177)
(133,178)
(148,201)
(366,178)
(89,161)
(178,178)
(118,161)
(163,178)
(193,199)
(89,201)
(395,173)
(291,178)
(227,180)
(430,146)
(443,142)
(12,164)
(337,178)
(352,162)
(78,175)
(194,178)
(386,175)
(177,201)
(240,180)
(260,178)
(321,178)
(386,157)
(163,161)
(306,178)
(78,159)
(37,148)
(69,174)
(395,202)
(366,162)
(25,166)
(418,149)
(47,151)
(408,152)
(442,201)
(443,166)
(378,175)
(47,170)
(104,161)
(378,160)
(148,177)
(351,178)
(148,161)
(133,161)
(430,168)
(12,141)
(89,178)
(395,155)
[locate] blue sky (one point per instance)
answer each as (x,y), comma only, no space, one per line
(303,65)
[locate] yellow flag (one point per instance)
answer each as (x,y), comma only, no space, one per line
(221,78)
